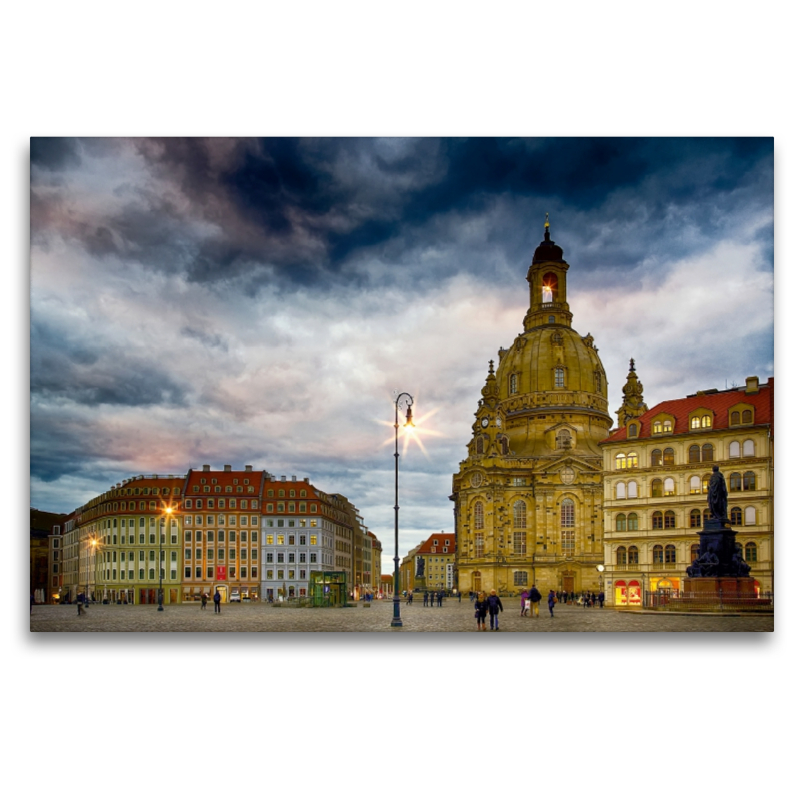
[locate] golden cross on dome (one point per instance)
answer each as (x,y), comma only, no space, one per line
(546,219)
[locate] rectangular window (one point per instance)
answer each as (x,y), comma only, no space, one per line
(269,574)
(270,558)
(254,572)
(209,572)
(281,558)
(280,574)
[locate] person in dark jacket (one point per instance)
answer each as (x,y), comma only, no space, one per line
(217,601)
(481,607)
(551,601)
(495,607)
(535,596)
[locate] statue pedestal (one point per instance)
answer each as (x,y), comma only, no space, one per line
(733,588)
(419,585)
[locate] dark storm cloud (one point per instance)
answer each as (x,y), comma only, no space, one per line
(54,153)
(286,212)
(90,373)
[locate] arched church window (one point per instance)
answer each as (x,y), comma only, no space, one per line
(478,515)
(549,287)
(520,514)
(669,554)
(655,458)
(512,384)
(563,439)
(567,513)
(633,522)
(669,455)
(621,522)
(734,451)
(708,452)
(633,555)
(622,556)
(559,376)
(749,448)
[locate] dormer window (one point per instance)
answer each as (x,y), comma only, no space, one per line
(633,430)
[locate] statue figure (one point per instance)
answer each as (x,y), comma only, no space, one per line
(740,568)
(718,495)
(420,567)
(704,566)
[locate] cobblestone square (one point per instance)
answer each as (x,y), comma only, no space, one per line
(452,617)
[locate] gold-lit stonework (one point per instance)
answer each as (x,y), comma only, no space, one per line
(528,497)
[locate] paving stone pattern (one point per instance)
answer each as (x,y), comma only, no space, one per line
(452,617)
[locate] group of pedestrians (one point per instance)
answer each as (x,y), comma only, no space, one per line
(432,599)
(489,604)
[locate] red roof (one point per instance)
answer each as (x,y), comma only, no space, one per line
(717,402)
(447,540)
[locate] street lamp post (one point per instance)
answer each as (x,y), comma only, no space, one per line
(161,537)
(91,543)
(600,570)
(396,621)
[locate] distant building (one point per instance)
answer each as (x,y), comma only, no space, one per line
(44,524)
(438,553)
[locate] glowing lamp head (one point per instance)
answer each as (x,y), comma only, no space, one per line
(409,418)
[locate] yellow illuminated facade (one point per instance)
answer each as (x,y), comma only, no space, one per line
(528,497)
(657,466)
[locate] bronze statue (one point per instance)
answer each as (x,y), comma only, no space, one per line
(420,567)
(718,495)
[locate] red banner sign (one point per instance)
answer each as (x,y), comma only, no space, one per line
(221,573)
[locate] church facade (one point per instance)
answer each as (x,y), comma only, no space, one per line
(528,497)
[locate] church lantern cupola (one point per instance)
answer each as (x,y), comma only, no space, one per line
(547,276)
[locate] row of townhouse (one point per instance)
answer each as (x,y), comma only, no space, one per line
(246,534)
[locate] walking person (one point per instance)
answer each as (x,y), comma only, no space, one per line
(481,607)
(495,607)
(601,598)
(535,597)
(203,601)
(551,601)
(217,600)
(525,604)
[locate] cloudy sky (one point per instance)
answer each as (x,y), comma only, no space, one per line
(244,301)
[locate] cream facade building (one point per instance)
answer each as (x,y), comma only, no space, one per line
(528,497)
(657,465)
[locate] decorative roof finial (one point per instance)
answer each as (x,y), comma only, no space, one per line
(632,365)
(491,367)
(547,226)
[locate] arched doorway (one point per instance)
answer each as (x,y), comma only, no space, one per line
(476,581)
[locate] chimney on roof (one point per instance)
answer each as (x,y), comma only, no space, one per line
(283,477)
(227,468)
(305,479)
(294,478)
(248,467)
(751,385)
(206,468)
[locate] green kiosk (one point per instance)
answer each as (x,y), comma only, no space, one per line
(328,589)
